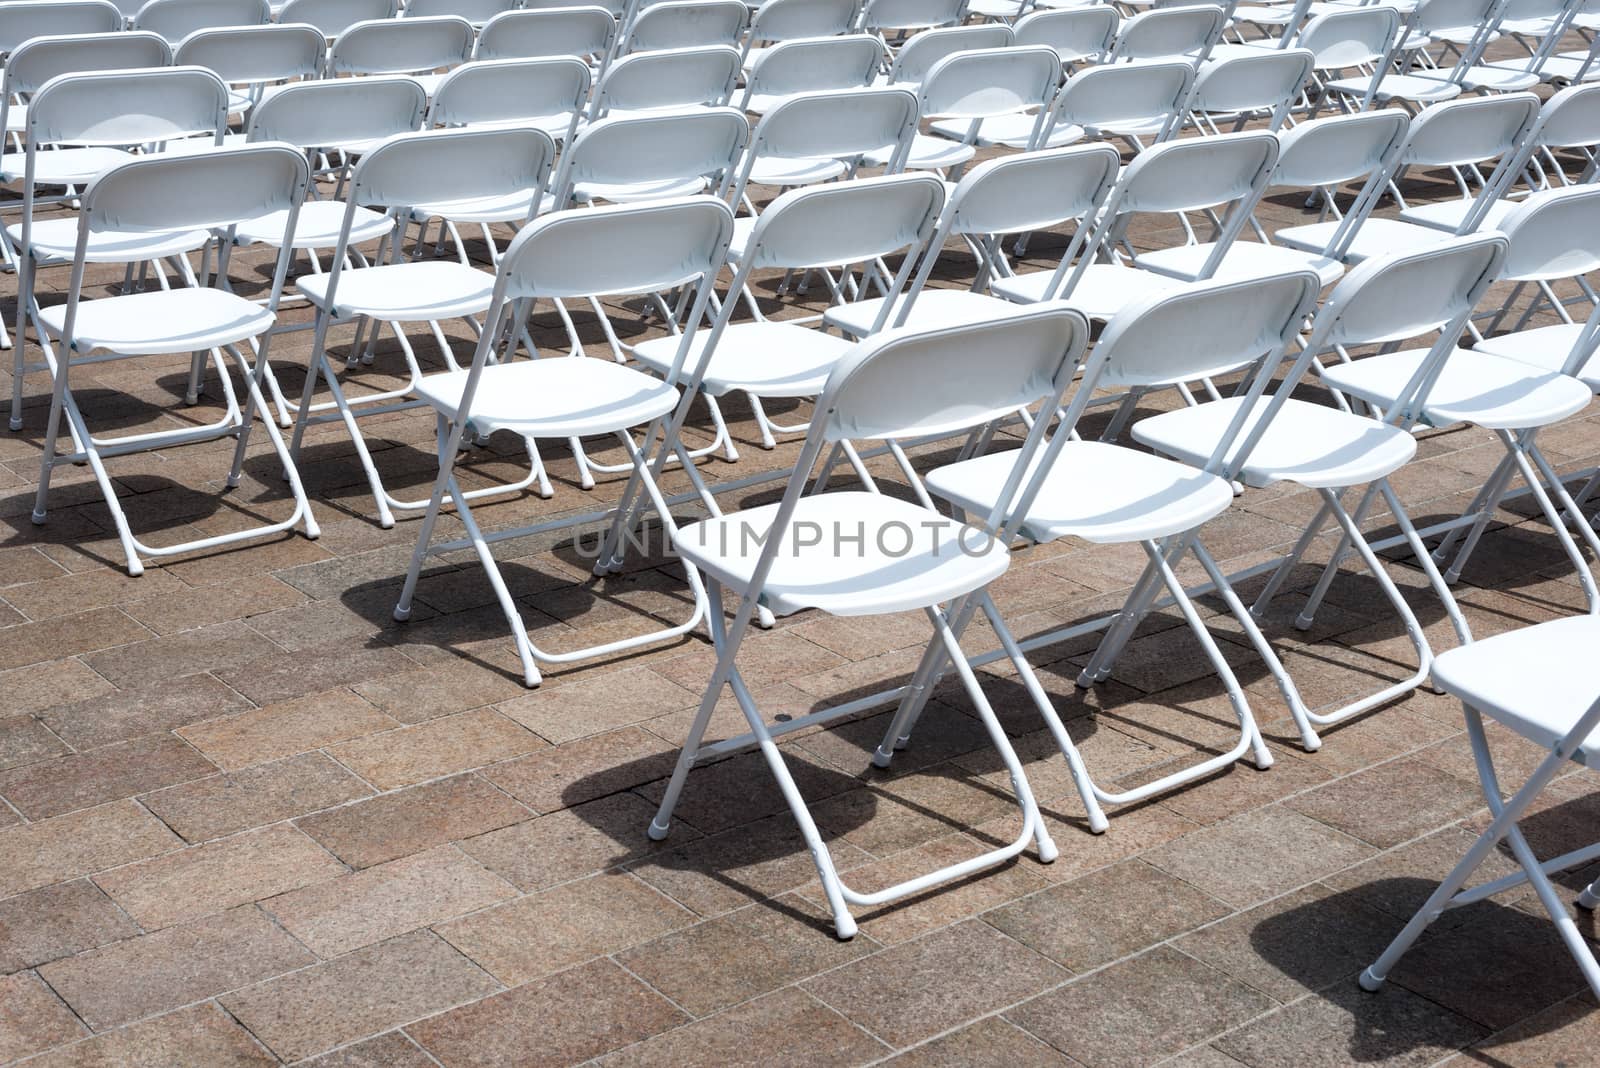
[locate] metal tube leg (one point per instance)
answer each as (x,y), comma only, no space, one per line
(1425,561)
(1536,487)
(1290,562)
(1127,621)
(1486,501)
(1590,898)
(430,517)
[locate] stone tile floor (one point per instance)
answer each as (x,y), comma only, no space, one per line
(248,819)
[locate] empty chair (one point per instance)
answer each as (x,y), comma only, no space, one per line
(161,205)
(808,65)
(1078,34)
(23,20)
(477,12)
(647,157)
(899,385)
(786,20)
(405,170)
(254,57)
(895,18)
(412,46)
(918,55)
(1240,87)
(334,17)
(662,81)
(1368,39)
(1537,683)
(588,32)
(567,255)
(1182,32)
(1109,495)
(1132,102)
(1387,299)
(685,24)
(177,19)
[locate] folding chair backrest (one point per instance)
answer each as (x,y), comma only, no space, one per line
(1343,39)
(686,24)
(647,148)
(1553,235)
(22,20)
(563,31)
(177,19)
(506,90)
(1569,119)
(249,55)
(845,222)
(196,191)
(810,64)
(681,77)
(1270,81)
(918,55)
(38,60)
(839,123)
(128,107)
(1403,295)
(1469,129)
(333,17)
(476,12)
(911,382)
(1339,148)
(1434,15)
(1076,33)
(893,16)
(1201,329)
(402,46)
(990,81)
(784,20)
(1033,190)
(1197,172)
(339,111)
(1166,32)
(459,164)
(1108,94)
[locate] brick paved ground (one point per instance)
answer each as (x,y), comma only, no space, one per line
(249,819)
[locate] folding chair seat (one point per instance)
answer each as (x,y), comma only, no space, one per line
(1193,175)
(1186,32)
(685,24)
(255,59)
(1539,683)
(177,19)
(808,65)
(163,194)
(334,17)
(963,91)
(898,385)
(1238,88)
(1078,34)
(1549,240)
(1132,102)
(1454,134)
(1369,38)
(409,169)
(1283,438)
(1466,28)
(1011,194)
(570,255)
(650,156)
(787,20)
(416,47)
(650,82)
(1108,494)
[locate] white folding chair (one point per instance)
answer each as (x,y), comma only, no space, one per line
(1459,134)
(1385,300)
(1132,102)
(685,24)
(477,12)
(918,55)
(668,80)
(809,65)
(1173,32)
(23,20)
(787,20)
(416,47)
(334,17)
(1465,29)
(1550,237)
(400,173)
(161,195)
(897,18)
(1111,494)
(1242,87)
(1537,682)
(898,385)
(177,19)
(824,227)
(565,256)
(1369,40)
(253,58)
(1011,194)
(588,32)
(1080,35)
(650,156)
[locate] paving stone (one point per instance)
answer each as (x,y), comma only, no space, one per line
(24,740)
(361,994)
(157,660)
(127,714)
(235,801)
(247,596)
(582,770)
(412,820)
(393,1050)
(581,708)
(80,843)
(1140,1010)
(992,1040)
(1562,1036)
(200,1036)
(41,686)
(286,676)
(439,747)
(568,1017)
(65,594)
(69,635)
(917,989)
(339,915)
(209,878)
(57,921)
(32,1018)
(1391,803)
(153,973)
(281,730)
(438,690)
(82,780)
(787,1027)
